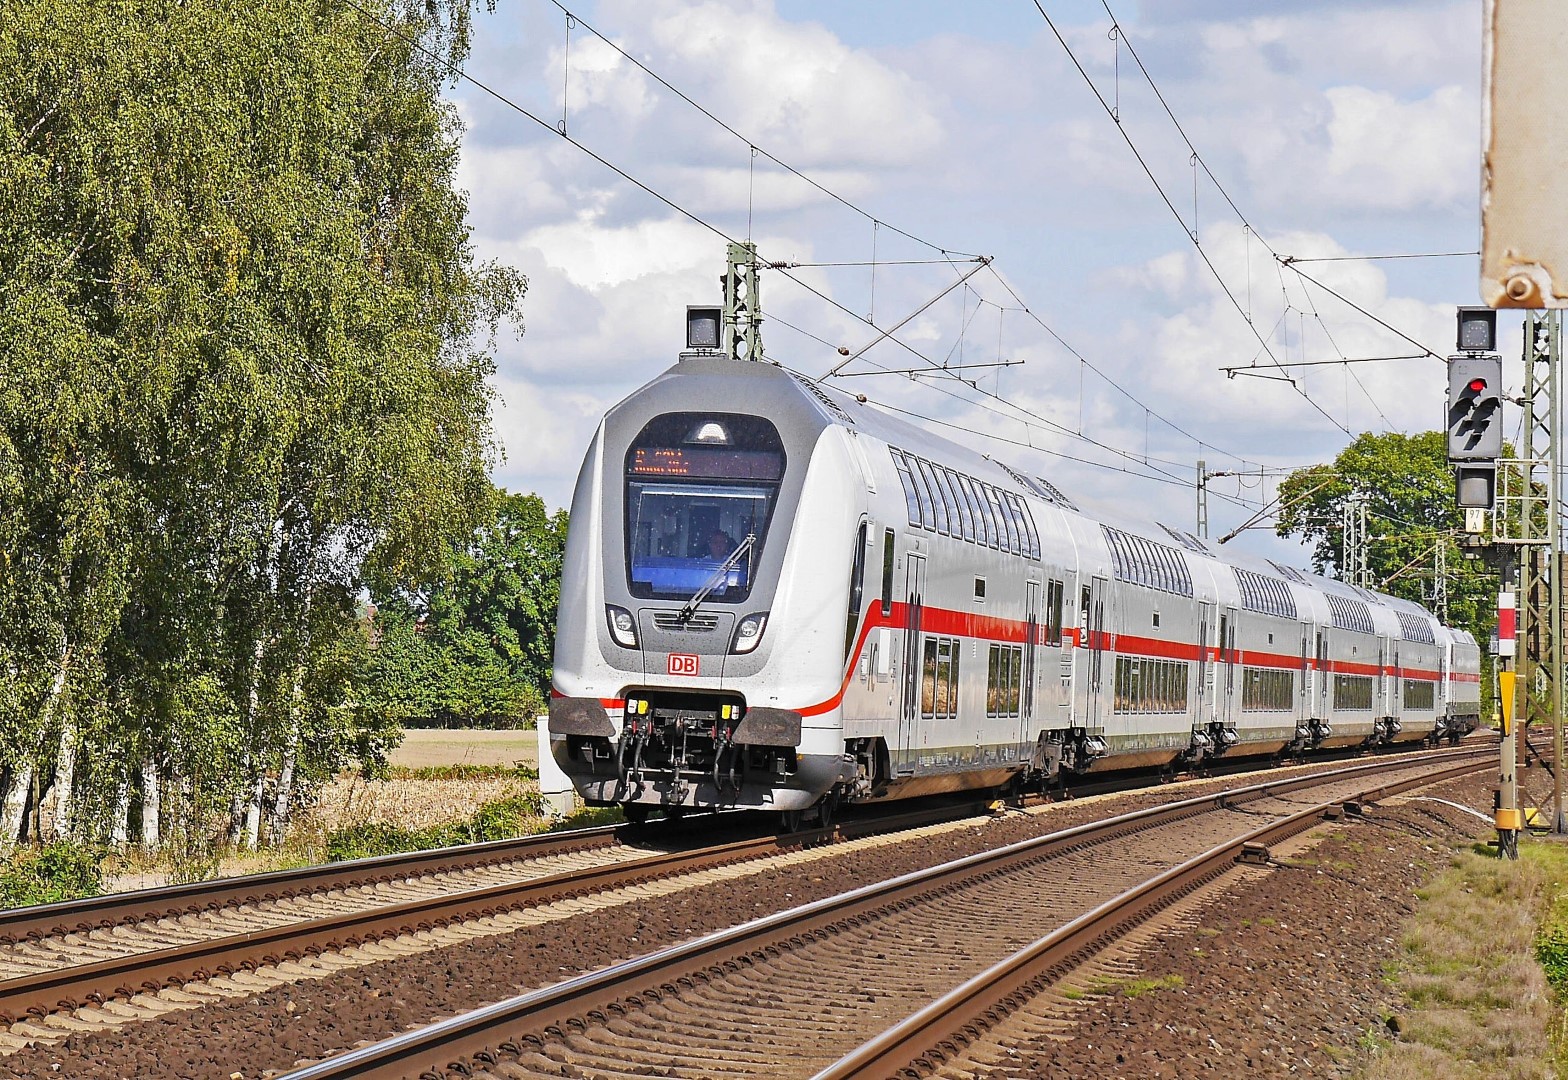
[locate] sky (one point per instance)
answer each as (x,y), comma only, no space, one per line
(1134,257)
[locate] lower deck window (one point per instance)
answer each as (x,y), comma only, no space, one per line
(1420,694)
(939,683)
(1267,690)
(1004,676)
(1150,686)
(1352,691)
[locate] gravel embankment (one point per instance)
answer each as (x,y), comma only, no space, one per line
(1300,992)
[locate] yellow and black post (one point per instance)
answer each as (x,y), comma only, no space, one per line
(1509,819)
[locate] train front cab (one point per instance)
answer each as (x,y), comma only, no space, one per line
(688,675)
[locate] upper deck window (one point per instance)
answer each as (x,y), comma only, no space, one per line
(697,485)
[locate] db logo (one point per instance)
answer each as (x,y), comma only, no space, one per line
(683,663)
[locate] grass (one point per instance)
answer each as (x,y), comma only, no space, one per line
(1102,986)
(61,871)
(1479,1003)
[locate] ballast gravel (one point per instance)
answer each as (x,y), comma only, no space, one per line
(1289,985)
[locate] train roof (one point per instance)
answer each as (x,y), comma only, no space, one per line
(833,407)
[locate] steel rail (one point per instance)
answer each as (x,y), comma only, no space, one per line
(173,901)
(60,989)
(920,1044)
(480,1033)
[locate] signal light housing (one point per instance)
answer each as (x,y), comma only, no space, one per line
(1474,422)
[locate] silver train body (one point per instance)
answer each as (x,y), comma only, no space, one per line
(776,599)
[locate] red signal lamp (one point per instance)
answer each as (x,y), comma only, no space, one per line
(1476,386)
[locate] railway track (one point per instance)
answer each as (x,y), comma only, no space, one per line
(61,957)
(64,957)
(832,985)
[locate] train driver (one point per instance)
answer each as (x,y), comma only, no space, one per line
(720,545)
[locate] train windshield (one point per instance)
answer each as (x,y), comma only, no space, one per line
(697,485)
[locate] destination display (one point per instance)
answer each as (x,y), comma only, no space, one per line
(708,463)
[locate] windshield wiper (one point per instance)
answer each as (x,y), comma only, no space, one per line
(717,576)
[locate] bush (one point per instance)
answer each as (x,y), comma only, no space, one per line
(61,871)
(501,819)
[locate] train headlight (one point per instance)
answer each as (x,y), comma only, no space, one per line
(623,628)
(748,632)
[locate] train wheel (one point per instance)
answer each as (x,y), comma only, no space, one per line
(790,821)
(635,813)
(827,809)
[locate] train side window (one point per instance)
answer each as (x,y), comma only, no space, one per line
(1031,539)
(967,489)
(1008,537)
(923,493)
(857,587)
(966,517)
(1083,611)
(1053,613)
(887,572)
(911,499)
(949,500)
(992,535)
(938,506)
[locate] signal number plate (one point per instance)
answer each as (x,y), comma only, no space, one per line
(683,663)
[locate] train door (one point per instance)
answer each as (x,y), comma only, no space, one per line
(1396,683)
(1095,629)
(1207,709)
(909,710)
(1026,706)
(1304,693)
(1226,692)
(1321,711)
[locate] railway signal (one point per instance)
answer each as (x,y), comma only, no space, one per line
(1475,423)
(1474,420)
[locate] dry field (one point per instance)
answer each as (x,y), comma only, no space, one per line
(425,747)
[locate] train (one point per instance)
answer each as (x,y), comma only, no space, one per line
(779,598)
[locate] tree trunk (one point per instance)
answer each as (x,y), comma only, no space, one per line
(151,803)
(64,782)
(120,816)
(252,835)
(16,797)
(281,807)
(14,806)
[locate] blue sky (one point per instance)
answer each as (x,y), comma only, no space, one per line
(1336,129)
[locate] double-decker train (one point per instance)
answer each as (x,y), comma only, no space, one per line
(779,599)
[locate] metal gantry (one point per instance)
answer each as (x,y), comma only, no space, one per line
(1541,563)
(742,304)
(1353,533)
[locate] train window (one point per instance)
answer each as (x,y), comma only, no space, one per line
(966,517)
(887,572)
(939,508)
(966,487)
(700,490)
(857,586)
(1009,534)
(911,499)
(1004,677)
(944,484)
(1053,613)
(1028,541)
(923,493)
(993,532)
(939,679)
(1267,689)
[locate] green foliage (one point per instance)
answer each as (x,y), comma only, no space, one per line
(244,358)
(1409,491)
(473,647)
(502,819)
(51,874)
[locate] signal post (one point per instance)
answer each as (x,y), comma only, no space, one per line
(1475,443)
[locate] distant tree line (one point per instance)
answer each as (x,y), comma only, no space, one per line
(244,357)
